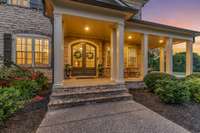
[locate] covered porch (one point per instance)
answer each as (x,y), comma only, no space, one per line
(108,49)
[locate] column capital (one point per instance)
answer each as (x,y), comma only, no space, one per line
(57,14)
(145,34)
(116,25)
(170,38)
(121,23)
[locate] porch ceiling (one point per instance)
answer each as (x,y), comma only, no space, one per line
(75,26)
(154,41)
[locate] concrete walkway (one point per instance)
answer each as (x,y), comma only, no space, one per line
(115,117)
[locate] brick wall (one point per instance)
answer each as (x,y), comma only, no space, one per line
(20,20)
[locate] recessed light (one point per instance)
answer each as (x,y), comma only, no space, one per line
(87,28)
(130,37)
(161,41)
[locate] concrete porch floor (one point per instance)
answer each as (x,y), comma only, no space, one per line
(73,82)
(114,117)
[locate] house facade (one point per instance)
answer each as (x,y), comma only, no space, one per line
(26,34)
(88,35)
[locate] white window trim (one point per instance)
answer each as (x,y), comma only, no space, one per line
(33,36)
(29,5)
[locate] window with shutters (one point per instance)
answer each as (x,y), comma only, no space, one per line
(24,3)
(32,51)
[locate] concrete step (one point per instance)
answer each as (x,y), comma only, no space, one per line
(87,88)
(86,93)
(62,103)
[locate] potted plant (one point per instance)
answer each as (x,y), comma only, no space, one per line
(68,69)
(100,70)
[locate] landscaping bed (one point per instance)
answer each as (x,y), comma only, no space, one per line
(23,98)
(28,119)
(186,115)
(177,99)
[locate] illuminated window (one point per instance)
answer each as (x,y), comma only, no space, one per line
(24,50)
(132,57)
(41,52)
(24,3)
(29,47)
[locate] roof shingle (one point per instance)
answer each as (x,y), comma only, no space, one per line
(112,4)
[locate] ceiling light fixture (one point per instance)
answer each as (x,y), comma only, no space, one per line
(87,28)
(130,37)
(161,41)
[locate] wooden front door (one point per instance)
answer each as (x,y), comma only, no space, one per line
(83,59)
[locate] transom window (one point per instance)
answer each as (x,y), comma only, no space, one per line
(32,51)
(24,3)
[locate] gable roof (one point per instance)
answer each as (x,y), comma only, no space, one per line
(111,4)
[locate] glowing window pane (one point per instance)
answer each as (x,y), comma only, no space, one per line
(132,56)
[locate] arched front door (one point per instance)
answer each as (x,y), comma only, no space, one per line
(83,59)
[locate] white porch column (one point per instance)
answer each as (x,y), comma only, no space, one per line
(162,59)
(189,58)
(120,53)
(169,56)
(113,54)
(144,55)
(58,50)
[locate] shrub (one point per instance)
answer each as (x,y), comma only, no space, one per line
(27,88)
(152,78)
(10,102)
(192,76)
(172,91)
(41,80)
(11,73)
(194,87)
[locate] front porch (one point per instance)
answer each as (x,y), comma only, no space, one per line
(95,82)
(106,49)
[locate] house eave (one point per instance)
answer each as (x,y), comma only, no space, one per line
(106,5)
(163,27)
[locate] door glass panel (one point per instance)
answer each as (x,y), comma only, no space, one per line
(77,55)
(90,56)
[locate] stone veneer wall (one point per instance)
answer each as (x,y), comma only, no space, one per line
(20,20)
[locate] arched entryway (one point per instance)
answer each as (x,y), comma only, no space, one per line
(83,59)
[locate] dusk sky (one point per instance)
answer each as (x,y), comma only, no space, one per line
(179,13)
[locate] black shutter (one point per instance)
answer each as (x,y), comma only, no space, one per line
(36,4)
(8,47)
(3,1)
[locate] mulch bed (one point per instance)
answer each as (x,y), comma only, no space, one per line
(186,115)
(28,119)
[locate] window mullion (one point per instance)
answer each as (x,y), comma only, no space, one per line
(43,53)
(33,52)
(26,50)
